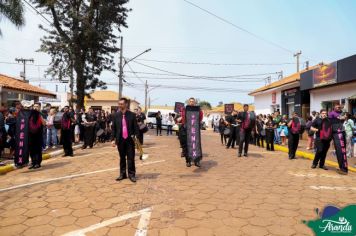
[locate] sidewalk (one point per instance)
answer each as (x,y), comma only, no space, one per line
(10,166)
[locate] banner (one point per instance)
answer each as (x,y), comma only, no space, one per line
(192,116)
(229,108)
(178,106)
(21,137)
(325,75)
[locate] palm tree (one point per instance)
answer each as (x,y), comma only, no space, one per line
(13,11)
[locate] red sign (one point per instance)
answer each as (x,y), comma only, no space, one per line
(274,98)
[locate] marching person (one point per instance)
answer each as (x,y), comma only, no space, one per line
(248,121)
(232,124)
(222,127)
(66,132)
(35,136)
(182,119)
(294,126)
(322,126)
(125,127)
(89,128)
(270,127)
(339,137)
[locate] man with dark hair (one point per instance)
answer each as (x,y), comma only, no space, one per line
(322,126)
(248,122)
(66,132)
(125,127)
(339,137)
(294,126)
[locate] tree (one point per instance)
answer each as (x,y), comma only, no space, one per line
(205,105)
(221,103)
(13,11)
(82,37)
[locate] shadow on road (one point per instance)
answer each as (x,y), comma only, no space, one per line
(49,166)
(148,176)
(206,166)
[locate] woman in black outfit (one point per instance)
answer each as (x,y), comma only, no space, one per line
(159,123)
(35,139)
(260,131)
(222,127)
(270,126)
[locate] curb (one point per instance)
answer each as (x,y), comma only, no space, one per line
(310,156)
(46,156)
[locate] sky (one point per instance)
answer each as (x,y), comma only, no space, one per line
(264,32)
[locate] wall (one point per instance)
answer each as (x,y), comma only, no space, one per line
(263,102)
(335,92)
(106,105)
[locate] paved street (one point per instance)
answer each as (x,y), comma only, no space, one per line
(264,194)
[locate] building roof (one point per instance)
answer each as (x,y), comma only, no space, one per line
(287,80)
(106,95)
(21,86)
(237,106)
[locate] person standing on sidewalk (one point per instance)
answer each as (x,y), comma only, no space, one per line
(125,128)
(89,129)
(222,127)
(260,131)
(35,136)
(310,132)
(159,123)
(170,123)
(323,132)
(349,130)
(140,117)
(339,139)
(51,130)
(66,132)
(270,127)
(276,120)
(248,121)
(294,126)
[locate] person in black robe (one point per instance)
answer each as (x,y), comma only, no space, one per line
(322,126)
(89,129)
(66,132)
(35,136)
(294,126)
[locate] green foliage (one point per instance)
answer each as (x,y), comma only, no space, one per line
(83,36)
(13,11)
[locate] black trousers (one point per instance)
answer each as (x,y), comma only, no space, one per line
(260,140)
(340,150)
(66,137)
(35,148)
(322,147)
(89,136)
(159,129)
(223,138)
(245,135)
(126,149)
(232,137)
(270,139)
(140,138)
(293,141)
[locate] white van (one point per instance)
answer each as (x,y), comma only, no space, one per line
(151,117)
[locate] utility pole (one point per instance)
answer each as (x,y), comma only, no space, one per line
(297,55)
(121,69)
(146,94)
(24,62)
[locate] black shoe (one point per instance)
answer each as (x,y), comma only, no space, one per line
(197,164)
(31,167)
(313,166)
(342,172)
(245,155)
(133,179)
(91,146)
(239,155)
(227,147)
(189,164)
(323,167)
(36,166)
(141,158)
(84,147)
(121,177)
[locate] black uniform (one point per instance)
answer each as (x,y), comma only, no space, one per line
(231,119)
(322,140)
(126,146)
(89,131)
(248,123)
(293,137)
(141,120)
(66,134)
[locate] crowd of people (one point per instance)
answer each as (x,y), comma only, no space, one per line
(244,128)
(50,128)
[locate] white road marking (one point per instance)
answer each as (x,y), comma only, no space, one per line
(141,228)
(332,188)
(312,175)
(71,176)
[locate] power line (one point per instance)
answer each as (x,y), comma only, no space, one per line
(240,28)
(39,13)
(202,76)
(217,64)
(247,80)
(14,63)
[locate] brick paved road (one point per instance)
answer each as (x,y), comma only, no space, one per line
(265,194)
